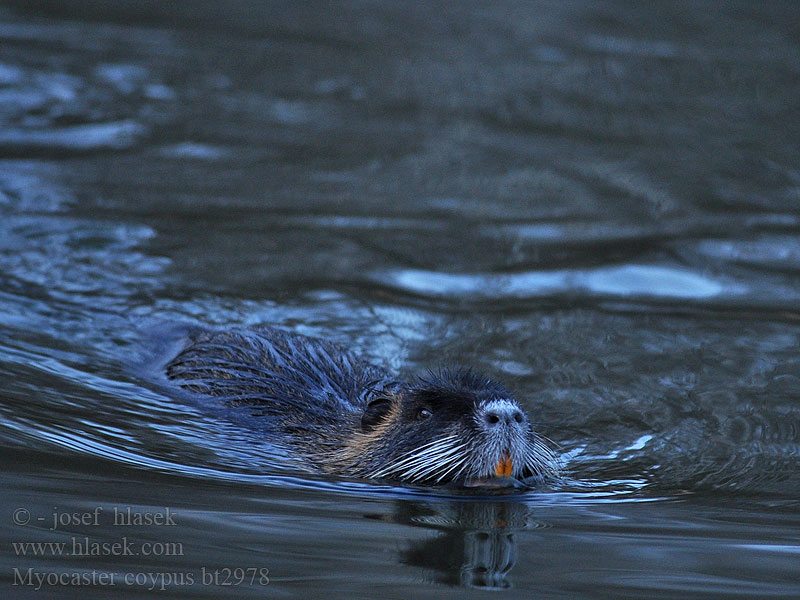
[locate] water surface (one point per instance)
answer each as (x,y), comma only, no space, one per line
(597,203)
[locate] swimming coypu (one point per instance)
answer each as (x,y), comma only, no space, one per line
(348,417)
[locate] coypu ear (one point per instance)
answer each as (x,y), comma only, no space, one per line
(376,411)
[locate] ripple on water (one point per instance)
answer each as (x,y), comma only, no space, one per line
(92,137)
(67,111)
(629,280)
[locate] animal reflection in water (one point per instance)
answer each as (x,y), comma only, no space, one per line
(476,546)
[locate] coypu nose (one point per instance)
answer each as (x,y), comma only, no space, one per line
(500,413)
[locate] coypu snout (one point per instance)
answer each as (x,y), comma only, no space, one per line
(504,424)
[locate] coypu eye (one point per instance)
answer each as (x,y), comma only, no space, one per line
(424,413)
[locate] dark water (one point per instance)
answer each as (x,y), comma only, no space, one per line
(597,202)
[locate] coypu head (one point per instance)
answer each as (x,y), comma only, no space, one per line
(452,426)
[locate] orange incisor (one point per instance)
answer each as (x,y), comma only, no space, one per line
(504,466)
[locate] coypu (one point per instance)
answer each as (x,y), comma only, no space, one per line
(348,417)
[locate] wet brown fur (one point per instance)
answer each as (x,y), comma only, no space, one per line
(314,396)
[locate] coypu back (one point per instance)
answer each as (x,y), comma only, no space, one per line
(310,388)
